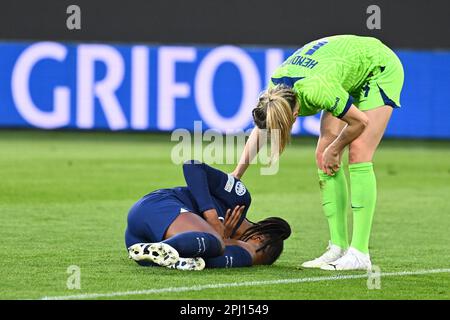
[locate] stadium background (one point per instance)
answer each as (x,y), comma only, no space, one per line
(178,62)
(68,180)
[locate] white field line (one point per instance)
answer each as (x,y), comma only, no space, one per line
(241,284)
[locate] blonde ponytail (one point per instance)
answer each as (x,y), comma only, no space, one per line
(275,113)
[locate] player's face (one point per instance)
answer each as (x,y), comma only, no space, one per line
(256,242)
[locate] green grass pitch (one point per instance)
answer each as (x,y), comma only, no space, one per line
(64,198)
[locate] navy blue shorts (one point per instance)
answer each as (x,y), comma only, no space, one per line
(151,216)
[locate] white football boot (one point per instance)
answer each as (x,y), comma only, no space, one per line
(352,260)
(159,253)
(196,264)
(332,254)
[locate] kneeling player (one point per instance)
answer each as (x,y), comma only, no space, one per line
(191,227)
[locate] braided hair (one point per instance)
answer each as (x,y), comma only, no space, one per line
(276,230)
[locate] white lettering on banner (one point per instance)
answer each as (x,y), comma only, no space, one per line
(139,87)
(60,116)
(131,108)
(204,88)
(168,88)
(104,89)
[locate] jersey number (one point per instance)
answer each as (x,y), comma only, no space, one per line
(316,47)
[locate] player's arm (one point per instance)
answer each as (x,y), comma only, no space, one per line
(332,97)
(356,121)
(254,143)
(205,181)
(198,184)
(251,149)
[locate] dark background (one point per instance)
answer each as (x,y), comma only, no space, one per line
(405,23)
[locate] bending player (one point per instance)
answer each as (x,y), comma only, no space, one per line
(194,227)
(356,83)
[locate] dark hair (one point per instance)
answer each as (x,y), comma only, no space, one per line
(276,230)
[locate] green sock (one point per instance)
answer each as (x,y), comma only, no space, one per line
(364,195)
(335,205)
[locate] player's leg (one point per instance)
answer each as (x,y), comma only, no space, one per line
(186,239)
(363,189)
(233,257)
(334,195)
(147,221)
(147,253)
(192,237)
(133,239)
(378,97)
(362,176)
(237,254)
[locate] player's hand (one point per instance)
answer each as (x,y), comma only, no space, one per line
(231,220)
(331,161)
(212,218)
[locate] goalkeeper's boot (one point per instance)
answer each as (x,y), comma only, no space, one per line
(332,254)
(352,260)
(159,253)
(196,264)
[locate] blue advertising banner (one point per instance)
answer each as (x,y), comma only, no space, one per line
(54,85)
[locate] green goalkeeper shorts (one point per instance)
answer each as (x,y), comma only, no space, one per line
(383,85)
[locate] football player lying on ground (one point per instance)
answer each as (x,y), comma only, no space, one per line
(202,225)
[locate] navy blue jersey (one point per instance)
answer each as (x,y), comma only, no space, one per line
(209,188)
(206,188)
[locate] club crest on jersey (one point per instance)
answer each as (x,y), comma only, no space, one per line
(240,188)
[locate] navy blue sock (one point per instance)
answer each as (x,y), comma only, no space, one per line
(233,257)
(195,244)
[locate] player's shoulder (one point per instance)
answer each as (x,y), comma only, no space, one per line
(235,186)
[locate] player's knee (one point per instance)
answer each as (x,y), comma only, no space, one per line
(215,245)
(328,135)
(324,141)
(365,121)
(358,152)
